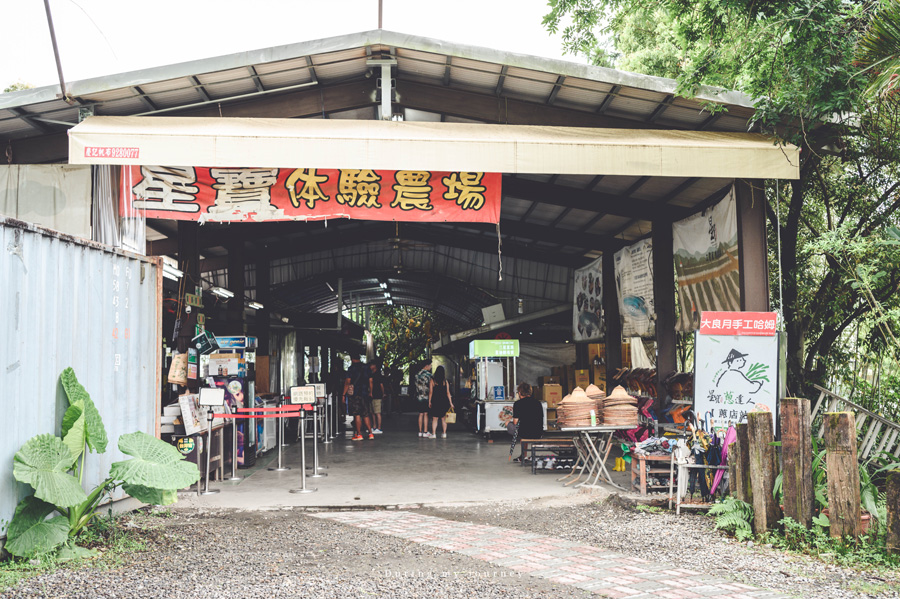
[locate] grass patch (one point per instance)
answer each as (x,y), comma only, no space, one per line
(111,539)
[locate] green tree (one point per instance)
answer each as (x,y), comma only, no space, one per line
(798,58)
(18,85)
(879,51)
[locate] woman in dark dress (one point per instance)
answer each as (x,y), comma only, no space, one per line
(439,401)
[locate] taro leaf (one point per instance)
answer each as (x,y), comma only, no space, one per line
(43,462)
(150,495)
(156,464)
(73,432)
(72,552)
(30,533)
(822,520)
(95,432)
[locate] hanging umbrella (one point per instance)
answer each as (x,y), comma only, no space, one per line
(730,437)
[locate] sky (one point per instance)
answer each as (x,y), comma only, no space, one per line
(103,37)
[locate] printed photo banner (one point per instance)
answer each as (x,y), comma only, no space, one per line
(634,280)
(706,262)
(272,194)
(587,322)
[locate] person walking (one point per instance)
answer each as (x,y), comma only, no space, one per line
(358,388)
(423,387)
(439,402)
(377,395)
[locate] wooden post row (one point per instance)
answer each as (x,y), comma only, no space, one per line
(843,474)
(796,455)
(763,470)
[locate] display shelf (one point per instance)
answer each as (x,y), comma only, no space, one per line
(642,469)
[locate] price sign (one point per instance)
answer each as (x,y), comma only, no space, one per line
(305,394)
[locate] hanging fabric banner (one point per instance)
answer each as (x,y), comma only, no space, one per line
(272,194)
(634,280)
(587,321)
(706,262)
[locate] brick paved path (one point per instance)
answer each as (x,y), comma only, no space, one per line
(591,568)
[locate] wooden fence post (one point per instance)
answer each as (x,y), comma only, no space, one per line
(732,469)
(763,470)
(893,512)
(796,456)
(744,488)
(843,474)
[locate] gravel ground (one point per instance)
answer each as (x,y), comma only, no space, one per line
(196,553)
(229,554)
(688,540)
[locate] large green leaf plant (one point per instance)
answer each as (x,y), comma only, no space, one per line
(60,508)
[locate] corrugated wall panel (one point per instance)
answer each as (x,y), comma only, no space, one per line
(66,302)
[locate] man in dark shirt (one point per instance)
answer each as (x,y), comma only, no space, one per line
(357,390)
(528,415)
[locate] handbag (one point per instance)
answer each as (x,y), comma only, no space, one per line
(450,416)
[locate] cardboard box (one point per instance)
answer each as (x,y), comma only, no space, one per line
(548,380)
(552,394)
(570,378)
(582,378)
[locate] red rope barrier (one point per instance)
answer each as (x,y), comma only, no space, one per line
(279,415)
(292,408)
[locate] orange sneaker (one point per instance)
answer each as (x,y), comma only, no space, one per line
(357,438)
(371,436)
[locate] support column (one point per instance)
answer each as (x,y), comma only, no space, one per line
(664,304)
(613,321)
(263,316)
(189,264)
(189,253)
(750,200)
(235,311)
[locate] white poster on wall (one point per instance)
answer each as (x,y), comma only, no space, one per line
(706,262)
(634,283)
(736,367)
(587,312)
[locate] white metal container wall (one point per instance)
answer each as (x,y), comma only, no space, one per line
(69,302)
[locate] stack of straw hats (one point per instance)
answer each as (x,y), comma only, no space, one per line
(575,409)
(620,409)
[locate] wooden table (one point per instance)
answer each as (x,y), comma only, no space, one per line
(593,444)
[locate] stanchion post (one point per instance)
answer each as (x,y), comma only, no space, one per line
(302,488)
(283,438)
(209,421)
(316,473)
(326,428)
(234,423)
(279,437)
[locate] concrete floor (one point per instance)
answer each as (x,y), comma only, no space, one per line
(396,468)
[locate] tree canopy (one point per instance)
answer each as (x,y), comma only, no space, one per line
(817,70)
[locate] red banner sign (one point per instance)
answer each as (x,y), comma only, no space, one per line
(738,323)
(268,194)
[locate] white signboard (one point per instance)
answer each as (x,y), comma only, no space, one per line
(735,375)
(320,389)
(212,397)
(303,395)
(634,280)
(587,320)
